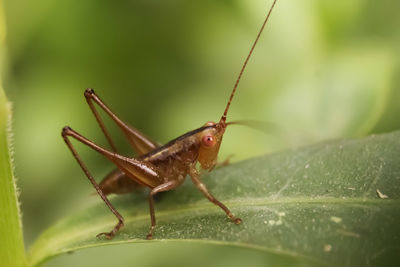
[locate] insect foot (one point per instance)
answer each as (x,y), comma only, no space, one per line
(110,235)
(237,220)
(234,219)
(150,234)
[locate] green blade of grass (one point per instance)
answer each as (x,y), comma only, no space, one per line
(12,251)
(315,205)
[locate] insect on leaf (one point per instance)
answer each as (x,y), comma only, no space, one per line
(317,204)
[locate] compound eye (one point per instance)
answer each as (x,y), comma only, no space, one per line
(209,123)
(208,140)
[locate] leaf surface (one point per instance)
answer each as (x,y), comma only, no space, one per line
(315,205)
(12,252)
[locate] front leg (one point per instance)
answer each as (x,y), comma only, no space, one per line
(195,178)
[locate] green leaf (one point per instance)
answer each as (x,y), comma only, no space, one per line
(12,252)
(314,205)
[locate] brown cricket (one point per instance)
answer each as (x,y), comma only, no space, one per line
(160,168)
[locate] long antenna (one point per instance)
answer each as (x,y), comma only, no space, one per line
(223,118)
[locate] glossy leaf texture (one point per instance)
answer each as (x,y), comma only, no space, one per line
(315,205)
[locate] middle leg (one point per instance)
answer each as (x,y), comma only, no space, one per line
(161,188)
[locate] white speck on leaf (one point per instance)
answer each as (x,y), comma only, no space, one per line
(271,222)
(349,233)
(327,248)
(381,195)
(336,219)
(307,166)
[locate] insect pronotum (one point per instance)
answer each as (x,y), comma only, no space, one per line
(160,168)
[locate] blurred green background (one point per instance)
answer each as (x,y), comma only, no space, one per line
(322,70)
